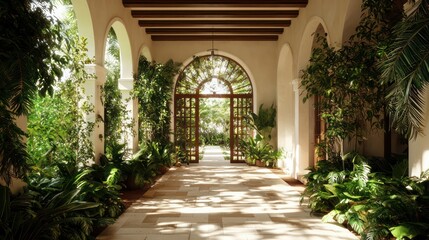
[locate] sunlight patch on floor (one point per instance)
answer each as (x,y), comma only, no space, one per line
(221,201)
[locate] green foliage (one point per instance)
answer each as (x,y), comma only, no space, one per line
(31,60)
(263,122)
(116,121)
(147,163)
(406,72)
(214,121)
(258,147)
(373,197)
(28,216)
(346,81)
(373,204)
(161,154)
(140,171)
(153,89)
(94,183)
(58,131)
(255,148)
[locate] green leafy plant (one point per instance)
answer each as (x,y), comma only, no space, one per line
(258,148)
(405,70)
(26,216)
(31,61)
(263,122)
(180,155)
(141,170)
(153,88)
(373,204)
(255,149)
(57,127)
(346,81)
(214,122)
(117,123)
(160,154)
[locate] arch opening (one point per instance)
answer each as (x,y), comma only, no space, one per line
(211,77)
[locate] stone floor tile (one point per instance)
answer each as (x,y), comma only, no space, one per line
(215,200)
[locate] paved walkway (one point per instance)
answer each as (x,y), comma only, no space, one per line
(216,200)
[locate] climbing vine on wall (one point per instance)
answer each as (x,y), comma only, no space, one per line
(57,126)
(117,124)
(153,89)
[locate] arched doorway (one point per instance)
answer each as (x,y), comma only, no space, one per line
(211,76)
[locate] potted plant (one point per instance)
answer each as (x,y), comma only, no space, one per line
(272,157)
(256,150)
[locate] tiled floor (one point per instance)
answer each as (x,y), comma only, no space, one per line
(217,200)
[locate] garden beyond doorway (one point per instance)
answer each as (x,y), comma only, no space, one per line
(211,77)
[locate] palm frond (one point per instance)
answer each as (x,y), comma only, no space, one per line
(406,71)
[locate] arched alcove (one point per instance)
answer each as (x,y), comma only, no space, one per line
(285,108)
(306,122)
(211,76)
(124,79)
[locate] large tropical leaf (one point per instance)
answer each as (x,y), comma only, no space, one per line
(409,230)
(406,71)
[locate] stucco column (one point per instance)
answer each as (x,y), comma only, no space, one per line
(419,147)
(93,91)
(305,128)
(16,185)
(126,85)
(296,149)
(286,125)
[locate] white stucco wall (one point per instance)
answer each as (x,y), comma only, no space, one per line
(419,147)
(95,18)
(273,68)
(259,57)
(338,19)
(102,14)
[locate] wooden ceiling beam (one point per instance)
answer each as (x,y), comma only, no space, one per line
(215,13)
(214,3)
(214,30)
(214,23)
(214,38)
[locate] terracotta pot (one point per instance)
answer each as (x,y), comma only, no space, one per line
(259,163)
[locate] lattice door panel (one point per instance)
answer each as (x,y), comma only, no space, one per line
(186,127)
(240,107)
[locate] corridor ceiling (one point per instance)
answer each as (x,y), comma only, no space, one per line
(217,20)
